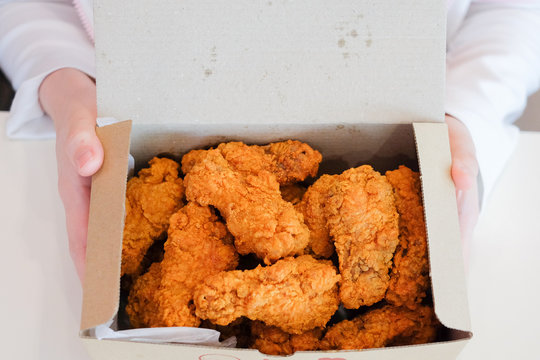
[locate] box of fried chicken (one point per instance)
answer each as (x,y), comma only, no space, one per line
(290,193)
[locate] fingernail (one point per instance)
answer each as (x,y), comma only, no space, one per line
(84,159)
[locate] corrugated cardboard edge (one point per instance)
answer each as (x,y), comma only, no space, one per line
(446,259)
(105,228)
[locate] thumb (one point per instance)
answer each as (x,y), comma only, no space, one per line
(85,151)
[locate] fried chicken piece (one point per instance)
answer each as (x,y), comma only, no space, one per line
(198,246)
(241,182)
(151,199)
(272,340)
(409,279)
(290,161)
(295,294)
(141,304)
(363,221)
(312,207)
(386,326)
(292,193)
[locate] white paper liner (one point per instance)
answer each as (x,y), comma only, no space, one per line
(180,335)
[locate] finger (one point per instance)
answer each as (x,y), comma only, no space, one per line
(76,203)
(464,164)
(85,151)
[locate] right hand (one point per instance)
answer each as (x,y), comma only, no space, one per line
(68,96)
(465,175)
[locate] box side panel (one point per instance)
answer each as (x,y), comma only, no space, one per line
(312,61)
(446,258)
(120,350)
(105,228)
(385,146)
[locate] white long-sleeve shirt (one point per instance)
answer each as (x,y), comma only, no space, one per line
(493,64)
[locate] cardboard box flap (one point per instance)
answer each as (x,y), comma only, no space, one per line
(303,61)
(446,259)
(114,350)
(101,290)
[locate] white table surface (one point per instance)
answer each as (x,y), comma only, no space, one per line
(41,295)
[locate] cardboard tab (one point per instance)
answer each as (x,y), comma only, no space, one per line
(446,259)
(277,61)
(101,290)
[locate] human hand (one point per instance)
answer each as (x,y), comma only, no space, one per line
(464,174)
(68,96)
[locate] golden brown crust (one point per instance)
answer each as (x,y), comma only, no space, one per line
(295,294)
(312,207)
(240,181)
(198,246)
(409,279)
(387,326)
(363,221)
(151,198)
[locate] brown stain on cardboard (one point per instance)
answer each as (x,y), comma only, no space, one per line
(208,72)
(341,43)
(353,33)
(368,42)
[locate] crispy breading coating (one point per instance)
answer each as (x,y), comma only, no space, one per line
(386,326)
(290,161)
(363,222)
(295,294)
(141,304)
(241,182)
(272,340)
(312,207)
(409,279)
(151,198)
(198,246)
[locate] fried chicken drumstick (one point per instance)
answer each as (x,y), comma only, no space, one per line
(151,198)
(409,279)
(198,246)
(295,294)
(242,182)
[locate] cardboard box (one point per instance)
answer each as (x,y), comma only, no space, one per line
(361,81)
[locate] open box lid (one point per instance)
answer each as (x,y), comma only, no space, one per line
(271,61)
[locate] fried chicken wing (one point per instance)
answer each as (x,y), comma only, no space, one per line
(409,278)
(295,294)
(198,246)
(312,207)
(386,326)
(272,340)
(363,221)
(151,198)
(242,183)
